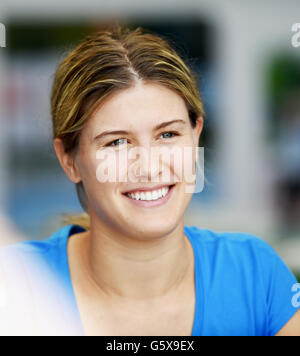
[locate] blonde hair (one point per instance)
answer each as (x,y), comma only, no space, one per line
(110,61)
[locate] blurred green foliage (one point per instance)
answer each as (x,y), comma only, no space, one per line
(38,37)
(282,78)
(284,74)
(297,275)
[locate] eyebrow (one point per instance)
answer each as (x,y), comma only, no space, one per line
(123,132)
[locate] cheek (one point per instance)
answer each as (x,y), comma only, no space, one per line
(181,162)
(111,166)
(96,175)
(87,166)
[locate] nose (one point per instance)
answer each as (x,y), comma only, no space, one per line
(146,168)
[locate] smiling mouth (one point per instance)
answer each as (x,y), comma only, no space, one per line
(151,195)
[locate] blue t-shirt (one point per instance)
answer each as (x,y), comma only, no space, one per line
(242,286)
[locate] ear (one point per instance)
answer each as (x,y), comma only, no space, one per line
(67,161)
(198,129)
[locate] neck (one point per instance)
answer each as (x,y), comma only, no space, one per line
(134,269)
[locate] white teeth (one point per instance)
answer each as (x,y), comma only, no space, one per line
(154,195)
(148,196)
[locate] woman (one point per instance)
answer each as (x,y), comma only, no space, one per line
(130,266)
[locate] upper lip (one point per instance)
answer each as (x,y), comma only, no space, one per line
(143,189)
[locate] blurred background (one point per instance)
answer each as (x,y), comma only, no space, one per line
(249,78)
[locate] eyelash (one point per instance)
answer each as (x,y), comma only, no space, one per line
(169,132)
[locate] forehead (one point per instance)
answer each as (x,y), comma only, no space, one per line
(142,106)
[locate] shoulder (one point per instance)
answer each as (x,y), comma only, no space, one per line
(32,259)
(250,275)
(31,280)
(38,248)
(238,254)
(230,242)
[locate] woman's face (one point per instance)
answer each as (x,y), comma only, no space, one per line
(115,157)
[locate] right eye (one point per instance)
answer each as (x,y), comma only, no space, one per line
(113,142)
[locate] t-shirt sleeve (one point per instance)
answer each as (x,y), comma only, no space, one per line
(282,290)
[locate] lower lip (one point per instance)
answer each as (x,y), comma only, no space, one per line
(152,203)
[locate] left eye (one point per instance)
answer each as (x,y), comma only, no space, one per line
(170,132)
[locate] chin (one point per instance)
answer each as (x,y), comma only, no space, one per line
(152,230)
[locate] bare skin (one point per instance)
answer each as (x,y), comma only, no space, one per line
(292,327)
(104,312)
